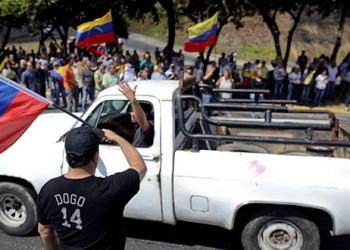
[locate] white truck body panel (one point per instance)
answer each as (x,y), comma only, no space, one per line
(259,178)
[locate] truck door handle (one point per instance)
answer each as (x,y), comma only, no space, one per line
(150,157)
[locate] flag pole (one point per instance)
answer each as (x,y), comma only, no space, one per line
(72,115)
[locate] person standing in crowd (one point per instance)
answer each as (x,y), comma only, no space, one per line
(13,63)
(257,83)
(158,74)
(57,82)
(77,70)
(28,78)
(210,79)
(294,82)
(332,74)
(129,72)
(307,84)
(40,77)
(223,66)
(314,64)
(88,84)
(264,74)
(302,62)
(147,62)
(225,82)
(98,206)
(9,73)
(246,75)
(110,78)
(190,72)
(170,73)
(98,77)
(345,83)
(70,86)
(22,68)
(320,87)
(279,74)
(142,75)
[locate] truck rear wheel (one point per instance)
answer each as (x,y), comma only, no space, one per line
(17,209)
(280,229)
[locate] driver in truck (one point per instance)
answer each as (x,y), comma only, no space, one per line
(143,129)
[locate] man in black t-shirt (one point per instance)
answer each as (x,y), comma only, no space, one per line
(80,211)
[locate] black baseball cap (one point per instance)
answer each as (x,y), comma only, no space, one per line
(83,141)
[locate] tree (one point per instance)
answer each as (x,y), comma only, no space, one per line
(12,15)
(170,10)
(269,11)
(341,7)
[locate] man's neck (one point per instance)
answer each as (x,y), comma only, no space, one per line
(79,173)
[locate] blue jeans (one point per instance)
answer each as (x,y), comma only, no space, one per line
(207,98)
(290,91)
(89,91)
(59,89)
(319,96)
(330,90)
(278,89)
(347,102)
(305,94)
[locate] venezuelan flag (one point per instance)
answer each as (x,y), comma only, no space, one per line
(202,35)
(97,31)
(19,107)
(97,49)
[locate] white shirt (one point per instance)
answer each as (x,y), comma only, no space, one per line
(294,77)
(320,82)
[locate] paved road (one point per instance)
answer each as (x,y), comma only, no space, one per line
(156,236)
(148,236)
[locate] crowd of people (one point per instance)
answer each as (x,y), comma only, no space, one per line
(75,78)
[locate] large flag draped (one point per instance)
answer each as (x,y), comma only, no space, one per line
(19,107)
(97,31)
(202,35)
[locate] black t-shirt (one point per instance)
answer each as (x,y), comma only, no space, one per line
(88,213)
(142,138)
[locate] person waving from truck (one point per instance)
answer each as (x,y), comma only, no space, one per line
(140,113)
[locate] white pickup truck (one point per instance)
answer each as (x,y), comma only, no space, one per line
(261,180)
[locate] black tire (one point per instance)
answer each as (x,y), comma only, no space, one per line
(243,147)
(280,226)
(17,209)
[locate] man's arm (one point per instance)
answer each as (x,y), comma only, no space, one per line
(131,154)
(140,116)
(48,236)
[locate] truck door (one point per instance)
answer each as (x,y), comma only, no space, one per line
(147,203)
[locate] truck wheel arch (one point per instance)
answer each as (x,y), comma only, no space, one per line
(321,218)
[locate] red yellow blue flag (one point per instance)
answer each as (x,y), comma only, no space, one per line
(202,35)
(97,49)
(19,107)
(98,31)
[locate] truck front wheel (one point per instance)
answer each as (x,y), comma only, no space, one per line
(17,209)
(282,229)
